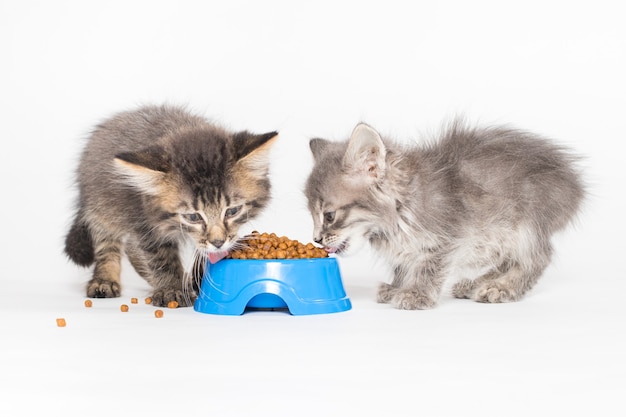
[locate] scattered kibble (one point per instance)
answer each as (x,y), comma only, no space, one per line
(270,246)
(124,308)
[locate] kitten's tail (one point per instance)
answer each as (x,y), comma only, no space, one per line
(79,243)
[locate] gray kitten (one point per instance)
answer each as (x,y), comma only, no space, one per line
(154,178)
(476,209)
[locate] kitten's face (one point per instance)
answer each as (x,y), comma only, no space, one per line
(337,190)
(213,219)
(340,222)
(205,184)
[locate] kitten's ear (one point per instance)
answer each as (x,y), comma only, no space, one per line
(145,170)
(318,146)
(246,142)
(252,151)
(365,157)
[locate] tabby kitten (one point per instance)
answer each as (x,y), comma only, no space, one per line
(154,178)
(475,209)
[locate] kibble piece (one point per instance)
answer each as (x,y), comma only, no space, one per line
(148,300)
(124,308)
(172,304)
(61,322)
(158,313)
(88,303)
(133,300)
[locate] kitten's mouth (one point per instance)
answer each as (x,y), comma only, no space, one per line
(342,247)
(215,257)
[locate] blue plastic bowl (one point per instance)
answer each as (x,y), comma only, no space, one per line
(301,286)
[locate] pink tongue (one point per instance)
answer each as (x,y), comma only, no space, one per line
(215,257)
(330,250)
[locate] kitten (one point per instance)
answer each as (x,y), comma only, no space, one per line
(475,209)
(154,178)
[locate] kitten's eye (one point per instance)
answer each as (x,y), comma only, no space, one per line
(329,216)
(193,217)
(232,211)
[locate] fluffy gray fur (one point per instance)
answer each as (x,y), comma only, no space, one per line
(475,209)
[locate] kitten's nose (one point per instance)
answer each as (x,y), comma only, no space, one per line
(318,240)
(217,243)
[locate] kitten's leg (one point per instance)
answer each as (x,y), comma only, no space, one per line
(137,259)
(105,282)
(417,284)
(463,289)
(386,292)
(516,279)
(466,288)
(168,275)
(509,286)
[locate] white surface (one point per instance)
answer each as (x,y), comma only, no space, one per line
(310,70)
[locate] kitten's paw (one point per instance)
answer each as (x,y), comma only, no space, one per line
(463,289)
(385,293)
(412,300)
(101,288)
(494,292)
(161,297)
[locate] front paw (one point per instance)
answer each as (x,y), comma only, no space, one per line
(102,288)
(385,293)
(412,300)
(162,297)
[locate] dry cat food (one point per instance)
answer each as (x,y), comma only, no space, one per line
(270,246)
(124,308)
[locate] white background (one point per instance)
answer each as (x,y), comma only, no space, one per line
(310,69)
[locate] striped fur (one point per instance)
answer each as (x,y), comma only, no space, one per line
(152,179)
